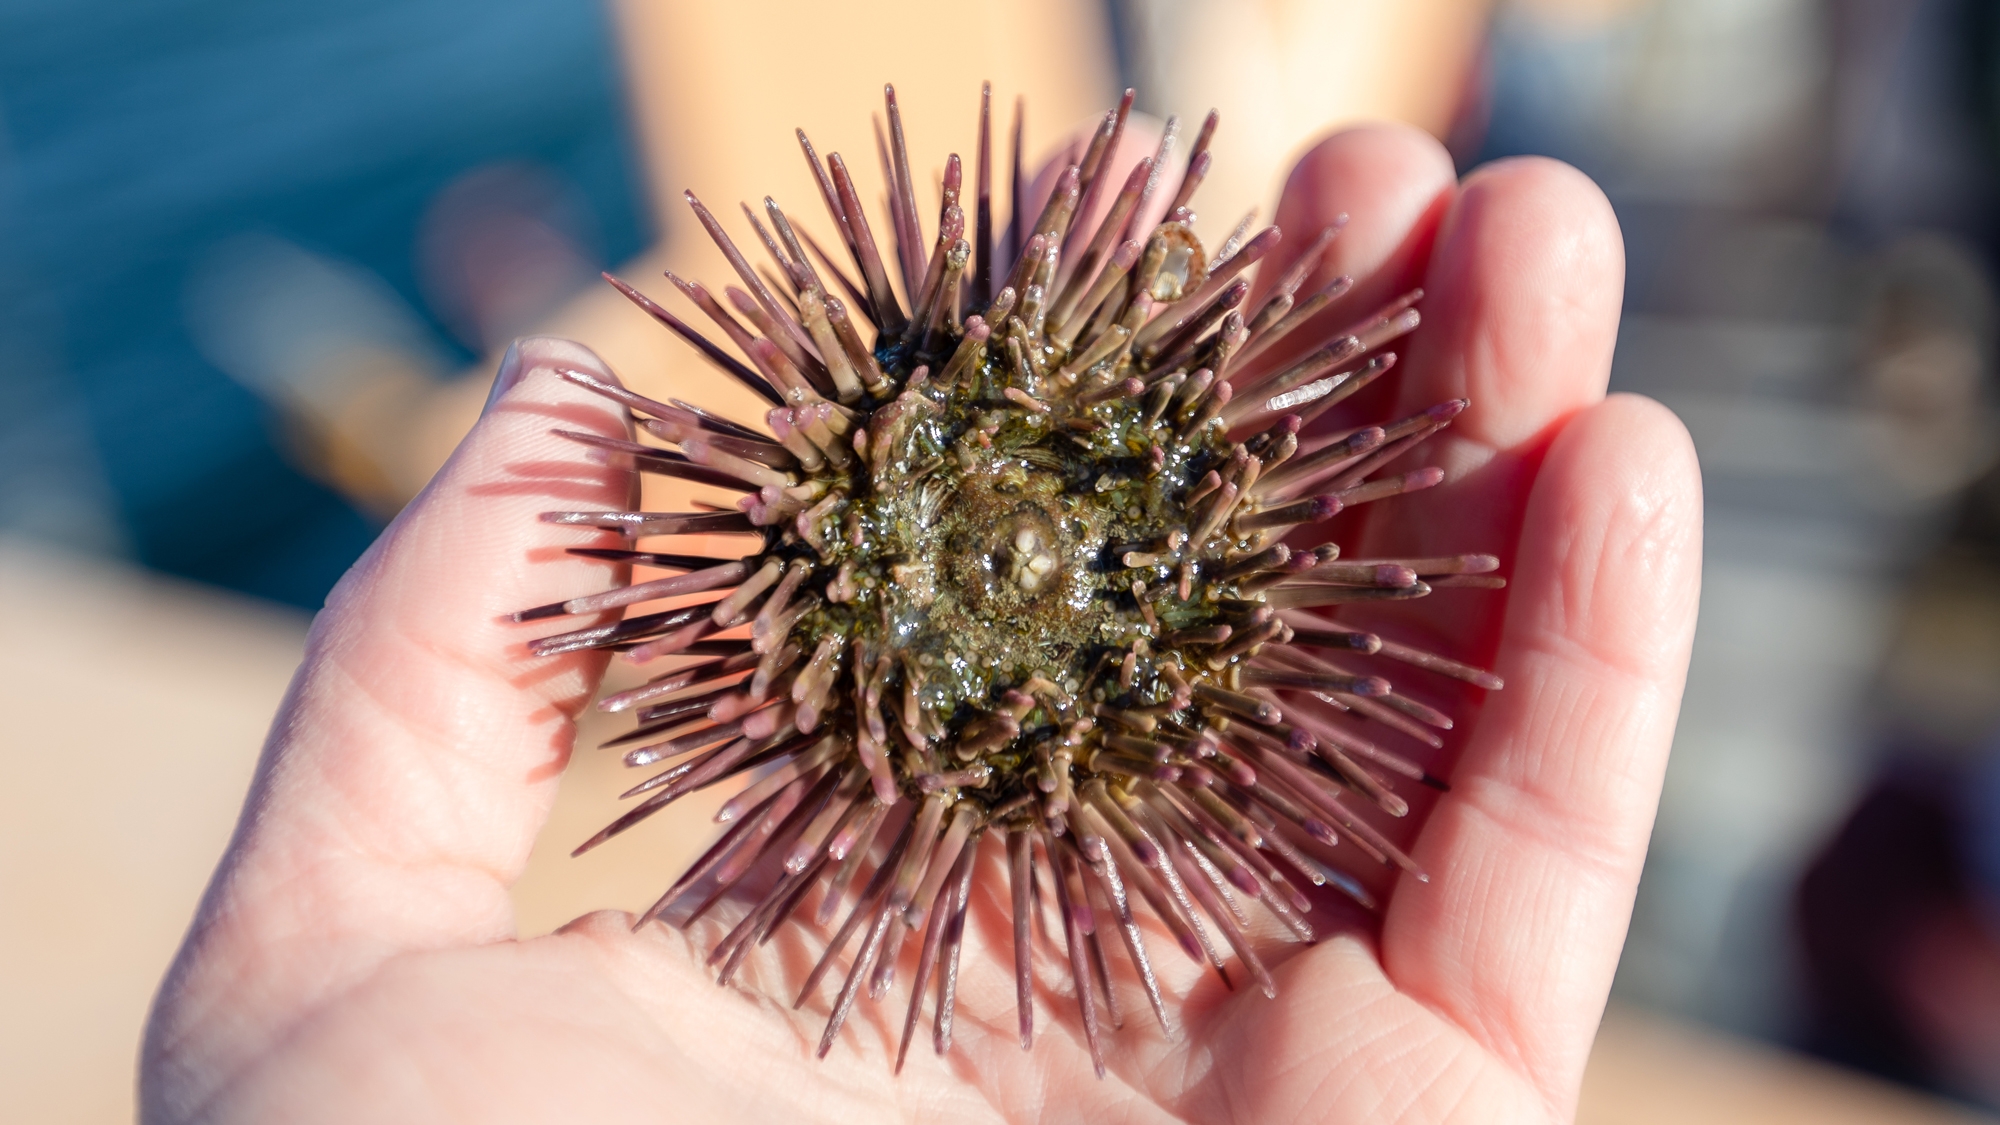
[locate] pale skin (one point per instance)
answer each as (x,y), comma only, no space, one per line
(356,960)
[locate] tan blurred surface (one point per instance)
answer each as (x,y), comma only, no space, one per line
(625,874)
(136,708)
(1648,1071)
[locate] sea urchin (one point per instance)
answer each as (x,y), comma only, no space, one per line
(1033,564)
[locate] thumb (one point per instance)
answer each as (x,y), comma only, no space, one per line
(418,749)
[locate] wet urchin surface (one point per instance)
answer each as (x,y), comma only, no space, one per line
(1034,567)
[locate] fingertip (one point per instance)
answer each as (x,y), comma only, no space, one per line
(479,514)
(1561,221)
(1524,291)
(1616,520)
(1391,181)
(1639,453)
(1375,154)
(1547,179)
(521,422)
(527,399)
(1653,439)
(542,356)
(504,379)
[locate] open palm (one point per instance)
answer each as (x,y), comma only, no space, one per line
(355,957)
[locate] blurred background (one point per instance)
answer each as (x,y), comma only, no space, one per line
(257,261)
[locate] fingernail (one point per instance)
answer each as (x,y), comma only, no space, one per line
(504,380)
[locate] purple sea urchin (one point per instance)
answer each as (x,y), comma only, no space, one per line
(1034,563)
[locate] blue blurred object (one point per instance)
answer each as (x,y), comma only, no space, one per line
(134,136)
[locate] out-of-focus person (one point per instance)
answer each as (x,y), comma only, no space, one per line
(1898,915)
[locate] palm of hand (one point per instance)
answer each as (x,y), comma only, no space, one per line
(355,958)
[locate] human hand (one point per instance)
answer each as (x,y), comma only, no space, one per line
(355,958)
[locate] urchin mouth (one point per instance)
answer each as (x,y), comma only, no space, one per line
(1031,555)
(1037,571)
(1006,555)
